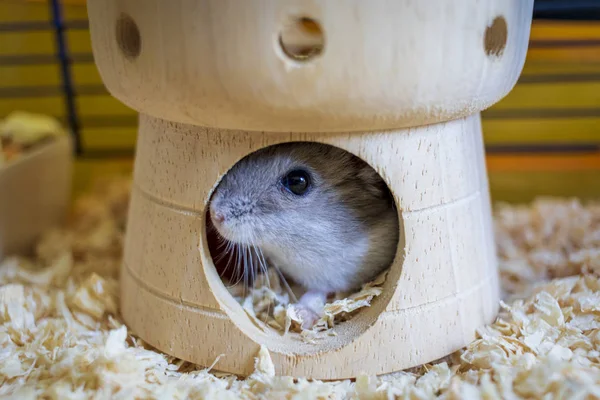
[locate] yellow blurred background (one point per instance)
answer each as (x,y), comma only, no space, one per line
(542,139)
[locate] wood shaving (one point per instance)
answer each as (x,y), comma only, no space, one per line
(22,131)
(61,336)
(268,304)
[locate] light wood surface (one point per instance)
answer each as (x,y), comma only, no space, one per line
(35,194)
(442,286)
(384,67)
(385,64)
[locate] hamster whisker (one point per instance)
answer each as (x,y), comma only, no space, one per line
(229,250)
(264,267)
(248,273)
(222,242)
(286,284)
(248,267)
(236,272)
(211,226)
(238,269)
(260,268)
(212,229)
(262,264)
(226,251)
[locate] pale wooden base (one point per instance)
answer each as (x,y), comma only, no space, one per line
(442,287)
(35,194)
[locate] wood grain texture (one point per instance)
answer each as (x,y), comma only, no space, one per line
(442,287)
(398,83)
(35,195)
(385,64)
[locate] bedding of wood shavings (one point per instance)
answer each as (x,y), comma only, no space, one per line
(61,336)
(268,303)
(23,131)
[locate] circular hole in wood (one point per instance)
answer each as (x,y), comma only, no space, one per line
(495,37)
(295,218)
(302,39)
(128,36)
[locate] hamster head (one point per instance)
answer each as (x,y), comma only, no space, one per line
(307,206)
(284,191)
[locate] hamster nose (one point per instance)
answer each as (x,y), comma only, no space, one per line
(218,217)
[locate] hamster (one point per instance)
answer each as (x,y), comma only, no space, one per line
(319,214)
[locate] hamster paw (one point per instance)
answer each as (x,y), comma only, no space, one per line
(308,316)
(309,307)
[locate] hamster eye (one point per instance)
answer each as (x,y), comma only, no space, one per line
(296,182)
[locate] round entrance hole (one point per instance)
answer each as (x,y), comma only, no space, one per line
(128,36)
(295,219)
(302,39)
